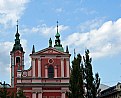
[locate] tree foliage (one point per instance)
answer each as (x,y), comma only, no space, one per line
(82,82)
(91,83)
(3,92)
(76,80)
(20,94)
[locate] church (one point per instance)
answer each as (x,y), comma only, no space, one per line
(49,72)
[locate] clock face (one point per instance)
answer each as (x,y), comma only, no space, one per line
(50,61)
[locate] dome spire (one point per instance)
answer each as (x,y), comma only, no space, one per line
(17,34)
(58,45)
(33,49)
(57,26)
(17,26)
(17,45)
(67,51)
(57,34)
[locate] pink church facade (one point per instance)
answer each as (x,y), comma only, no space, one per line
(48,76)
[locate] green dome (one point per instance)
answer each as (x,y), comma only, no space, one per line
(57,35)
(59,48)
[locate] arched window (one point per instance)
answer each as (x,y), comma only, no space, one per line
(17,59)
(50,72)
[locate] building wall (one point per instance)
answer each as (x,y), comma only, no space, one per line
(35,81)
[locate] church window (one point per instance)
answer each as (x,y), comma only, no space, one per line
(17,59)
(50,72)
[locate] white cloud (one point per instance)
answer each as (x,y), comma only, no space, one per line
(91,24)
(11,10)
(58,10)
(45,30)
(85,11)
(102,42)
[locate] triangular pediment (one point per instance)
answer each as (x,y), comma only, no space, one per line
(49,50)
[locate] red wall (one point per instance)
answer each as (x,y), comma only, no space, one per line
(17,53)
(57,62)
(54,94)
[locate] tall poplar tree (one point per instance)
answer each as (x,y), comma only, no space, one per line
(76,79)
(91,83)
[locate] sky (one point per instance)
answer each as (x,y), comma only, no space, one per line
(83,24)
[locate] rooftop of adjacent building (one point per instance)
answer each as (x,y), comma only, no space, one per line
(111,90)
(103,87)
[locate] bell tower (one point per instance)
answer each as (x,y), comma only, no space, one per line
(17,58)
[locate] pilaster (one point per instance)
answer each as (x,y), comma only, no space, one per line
(67,67)
(55,72)
(39,67)
(33,67)
(46,71)
(40,95)
(62,67)
(33,95)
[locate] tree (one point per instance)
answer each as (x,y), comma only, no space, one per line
(91,83)
(3,92)
(20,94)
(76,79)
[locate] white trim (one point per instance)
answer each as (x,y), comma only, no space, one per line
(67,67)
(33,67)
(62,67)
(46,71)
(33,95)
(12,76)
(39,68)
(55,72)
(39,95)
(63,95)
(50,56)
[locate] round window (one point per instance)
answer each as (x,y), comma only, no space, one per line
(51,61)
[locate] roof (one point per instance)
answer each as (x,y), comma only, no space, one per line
(50,51)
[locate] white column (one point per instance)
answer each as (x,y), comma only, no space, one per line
(55,72)
(40,95)
(62,67)
(39,67)
(46,73)
(62,95)
(33,95)
(67,67)
(33,67)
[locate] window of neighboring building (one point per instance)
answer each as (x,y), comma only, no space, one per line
(50,72)
(17,59)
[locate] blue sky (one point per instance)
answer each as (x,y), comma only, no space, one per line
(83,24)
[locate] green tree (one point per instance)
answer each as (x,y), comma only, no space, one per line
(91,83)
(20,94)
(76,79)
(3,92)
